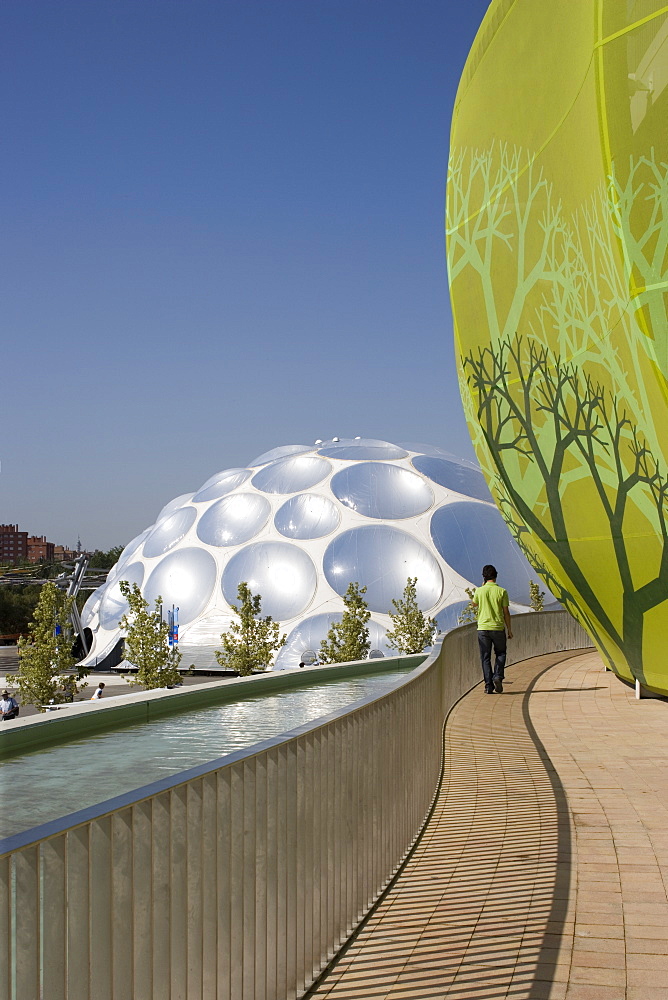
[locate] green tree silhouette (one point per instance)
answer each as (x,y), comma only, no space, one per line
(45,657)
(147,641)
(412,630)
(249,643)
(349,638)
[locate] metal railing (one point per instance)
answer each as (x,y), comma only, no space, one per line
(241,878)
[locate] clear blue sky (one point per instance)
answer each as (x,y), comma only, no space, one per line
(222,231)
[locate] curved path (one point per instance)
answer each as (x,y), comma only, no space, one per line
(543,870)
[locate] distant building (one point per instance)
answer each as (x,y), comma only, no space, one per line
(13,544)
(39,550)
(63,554)
(18,546)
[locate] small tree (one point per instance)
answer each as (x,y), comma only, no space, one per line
(349,638)
(45,656)
(147,641)
(249,644)
(536,596)
(413,630)
(468,614)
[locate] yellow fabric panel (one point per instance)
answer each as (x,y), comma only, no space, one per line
(557,235)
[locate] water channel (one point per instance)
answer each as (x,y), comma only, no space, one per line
(51,782)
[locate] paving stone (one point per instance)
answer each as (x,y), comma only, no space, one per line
(542,874)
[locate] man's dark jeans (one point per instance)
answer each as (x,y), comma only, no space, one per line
(488,638)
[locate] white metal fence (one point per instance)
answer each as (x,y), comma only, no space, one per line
(239,879)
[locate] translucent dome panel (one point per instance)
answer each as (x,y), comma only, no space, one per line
(382,491)
(381,558)
(221,485)
(447,618)
(282,452)
(281,573)
(114,605)
(365,448)
(307,516)
(199,641)
(169,532)
(91,606)
(185,578)
(234,519)
(426,449)
(470,535)
(311,632)
(452,475)
(128,554)
(208,628)
(291,475)
(173,505)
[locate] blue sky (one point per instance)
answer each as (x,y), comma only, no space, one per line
(222,231)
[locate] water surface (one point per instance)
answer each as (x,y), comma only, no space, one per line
(44,784)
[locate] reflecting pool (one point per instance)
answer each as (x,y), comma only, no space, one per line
(45,784)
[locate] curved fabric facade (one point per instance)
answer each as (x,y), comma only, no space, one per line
(298,525)
(557,234)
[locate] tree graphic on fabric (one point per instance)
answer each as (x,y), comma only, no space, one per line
(534,407)
(561,326)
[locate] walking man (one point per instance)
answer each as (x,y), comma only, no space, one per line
(493,622)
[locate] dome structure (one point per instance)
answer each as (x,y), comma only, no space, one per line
(300,523)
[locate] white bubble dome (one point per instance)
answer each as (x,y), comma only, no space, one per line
(298,524)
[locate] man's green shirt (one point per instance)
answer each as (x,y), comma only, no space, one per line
(491,600)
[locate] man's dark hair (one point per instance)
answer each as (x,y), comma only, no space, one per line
(489,572)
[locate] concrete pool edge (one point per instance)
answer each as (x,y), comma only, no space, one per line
(84,718)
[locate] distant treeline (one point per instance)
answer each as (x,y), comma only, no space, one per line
(17,604)
(105,560)
(18,601)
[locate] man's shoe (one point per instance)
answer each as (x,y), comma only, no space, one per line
(489,691)
(498,685)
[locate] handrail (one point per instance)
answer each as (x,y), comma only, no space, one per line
(241,878)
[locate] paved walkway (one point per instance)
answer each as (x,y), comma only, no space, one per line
(543,871)
(115,684)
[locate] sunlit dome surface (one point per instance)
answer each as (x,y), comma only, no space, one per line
(307,515)
(291,475)
(113,605)
(381,490)
(185,578)
(282,573)
(387,557)
(234,519)
(221,484)
(169,531)
(298,524)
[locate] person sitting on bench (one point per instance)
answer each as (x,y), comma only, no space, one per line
(9,707)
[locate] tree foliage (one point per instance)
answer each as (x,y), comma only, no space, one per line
(147,641)
(249,644)
(412,630)
(536,596)
(45,658)
(469,614)
(349,638)
(17,607)
(105,560)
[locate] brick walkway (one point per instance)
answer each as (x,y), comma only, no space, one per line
(543,871)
